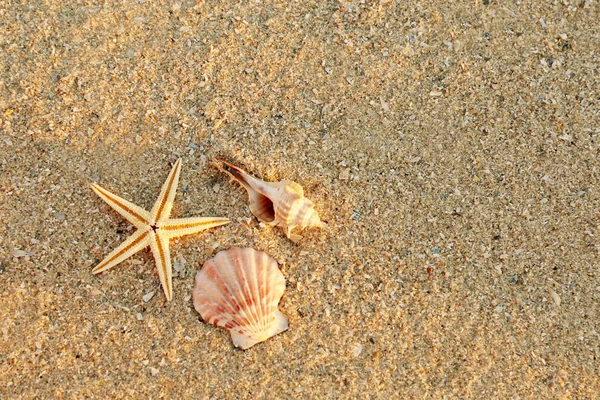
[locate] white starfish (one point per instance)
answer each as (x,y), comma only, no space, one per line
(154,228)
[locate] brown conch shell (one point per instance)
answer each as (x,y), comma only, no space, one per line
(239,289)
(276,203)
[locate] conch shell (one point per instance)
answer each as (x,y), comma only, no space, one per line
(276,203)
(239,289)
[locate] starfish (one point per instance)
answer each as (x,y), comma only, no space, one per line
(155,229)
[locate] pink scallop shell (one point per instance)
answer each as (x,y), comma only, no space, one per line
(239,289)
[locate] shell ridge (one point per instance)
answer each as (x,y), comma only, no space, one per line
(264,291)
(273,295)
(229,295)
(238,276)
(282,211)
(241,294)
(245,277)
(261,264)
(305,213)
(220,292)
(256,285)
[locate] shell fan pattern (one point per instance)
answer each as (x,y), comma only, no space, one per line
(239,289)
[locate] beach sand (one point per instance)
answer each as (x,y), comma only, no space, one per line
(451,147)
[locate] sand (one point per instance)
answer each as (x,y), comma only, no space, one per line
(452,147)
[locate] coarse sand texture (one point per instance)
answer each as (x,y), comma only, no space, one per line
(450,148)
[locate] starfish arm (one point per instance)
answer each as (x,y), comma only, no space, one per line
(164,204)
(162,258)
(173,228)
(132,245)
(132,213)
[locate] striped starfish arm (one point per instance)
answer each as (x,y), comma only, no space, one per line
(132,245)
(173,228)
(160,249)
(134,214)
(164,204)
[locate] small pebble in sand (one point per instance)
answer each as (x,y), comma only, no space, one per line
(555,297)
(148,296)
(344,174)
(18,253)
(153,371)
(384,105)
(179,265)
(357,349)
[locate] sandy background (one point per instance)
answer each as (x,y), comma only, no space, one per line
(452,147)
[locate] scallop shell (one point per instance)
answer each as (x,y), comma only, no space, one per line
(276,203)
(239,289)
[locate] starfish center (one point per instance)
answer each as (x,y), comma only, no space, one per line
(163,229)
